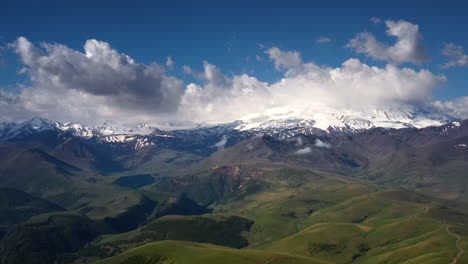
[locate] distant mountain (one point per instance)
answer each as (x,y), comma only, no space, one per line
(10,130)
(433,160)
(287,175)
(324,118)
(35,125)
(277,121)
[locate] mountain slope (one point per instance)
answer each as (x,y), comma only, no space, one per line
(17,206)
(300,211)
(46,237)
(179,252)
(290,186)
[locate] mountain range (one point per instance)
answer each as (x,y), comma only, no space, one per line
(375,187)
(273,121)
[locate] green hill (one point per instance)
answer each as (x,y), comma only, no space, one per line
(47,237)
(17,206)
(179,252)
(299,211)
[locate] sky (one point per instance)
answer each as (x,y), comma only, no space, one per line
(144,61)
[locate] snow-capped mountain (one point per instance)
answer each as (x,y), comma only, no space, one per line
(77,129)
(36,124)
(278,122)
(325,118)
(113,128)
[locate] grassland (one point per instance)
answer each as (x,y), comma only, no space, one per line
(178,252)
(322,216)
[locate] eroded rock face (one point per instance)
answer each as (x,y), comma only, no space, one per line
(239,174)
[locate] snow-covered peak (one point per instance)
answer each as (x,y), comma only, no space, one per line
(6,125)
(115,128)
(77,129)
(109,128)
(325,118)
(143,129)
(281,122)
(36,124)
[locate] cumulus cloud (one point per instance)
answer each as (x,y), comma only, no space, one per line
(323,40)
(284,59)
(306,85)
(290,61)
(457,108)
(408,47)
(194,73)
(222,97)
(460,59)
(98,83)
(103,84)
(353,82)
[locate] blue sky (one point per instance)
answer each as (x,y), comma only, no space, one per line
(231,34)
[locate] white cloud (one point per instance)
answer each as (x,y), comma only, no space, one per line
(22,70)
(221,144)
(323,40)
(170,63)
(103,84)
(457,53)
(320,144)
(290,61)
(196,74)
(93,85)
(456,108)
(304,151)
(222,98)
(354,84)
(408,47)
(284,59)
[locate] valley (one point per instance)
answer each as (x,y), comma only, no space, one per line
(372,196)
(233,132)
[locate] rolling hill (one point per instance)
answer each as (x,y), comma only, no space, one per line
(338,196)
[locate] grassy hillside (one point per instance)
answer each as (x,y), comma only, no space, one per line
(315,214)
(259,197)
(401,227)
(178,252)
(46,237)
(219,230)
(17,206)
(373,229)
